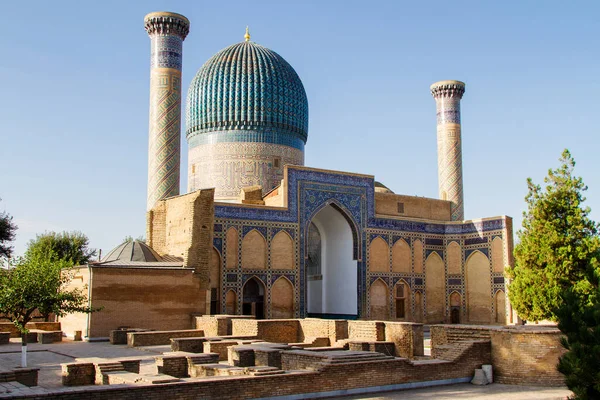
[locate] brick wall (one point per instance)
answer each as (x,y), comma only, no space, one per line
(217,325)
(407,338)
(151,298)
(156,228)
(328,378)
(444,334)
(366,330)
(44,326)
(155,338)
(527,356)
(270,330)
(313,328)
(419,207)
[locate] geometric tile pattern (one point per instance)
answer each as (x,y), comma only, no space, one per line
(447,96)
(309,190)
(247,86)
(246,117)
(228,167)
(167,32)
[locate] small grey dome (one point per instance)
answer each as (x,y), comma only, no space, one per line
(132,251)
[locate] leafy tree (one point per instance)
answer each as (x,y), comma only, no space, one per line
(579,320)
(7,234)
(71,247)
(130,238)
(38,281)
(556,244)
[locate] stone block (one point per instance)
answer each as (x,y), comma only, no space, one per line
(264,356)
(47,337)
(487,370)
(479,378)
(131,365)
(220,347)
(119,336)
(27,376)
(78,374)
(172,364)
(241,356)
(156,338)
(190,345)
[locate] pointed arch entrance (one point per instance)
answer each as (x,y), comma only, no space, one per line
(254,298)
(331,269)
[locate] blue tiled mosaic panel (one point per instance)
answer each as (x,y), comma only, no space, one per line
(254,135)
(165,51)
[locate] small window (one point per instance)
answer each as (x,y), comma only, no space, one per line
(276,162)
(400,208)
(193,168)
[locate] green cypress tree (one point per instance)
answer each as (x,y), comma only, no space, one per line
(555,246)
(579,320)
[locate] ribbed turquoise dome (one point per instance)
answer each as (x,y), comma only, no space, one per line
(247,87)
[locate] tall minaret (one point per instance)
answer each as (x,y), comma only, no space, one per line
(167,32)
(447,96)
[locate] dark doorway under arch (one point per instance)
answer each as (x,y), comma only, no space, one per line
(254,299)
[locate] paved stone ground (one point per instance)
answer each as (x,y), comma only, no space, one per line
(48,357)
(495,391)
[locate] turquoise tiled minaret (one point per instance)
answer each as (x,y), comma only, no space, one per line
(247,117)
(167,32)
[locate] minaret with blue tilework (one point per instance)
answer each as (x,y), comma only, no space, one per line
(167,32)
(447,95)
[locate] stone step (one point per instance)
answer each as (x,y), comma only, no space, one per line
(357,359)
(263,373)
(202,358)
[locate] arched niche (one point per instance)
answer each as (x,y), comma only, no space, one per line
(379,255)
(254,251)
(418,256)
(479,301)
(500,307)
(454,258)
(418,317)
(283,254)
(497,255)
(435,288)
(379,300)
(231,255)
(282,299)
(401,257)
(455,301)
(231,302)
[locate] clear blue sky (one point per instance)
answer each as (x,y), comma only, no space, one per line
(74,97)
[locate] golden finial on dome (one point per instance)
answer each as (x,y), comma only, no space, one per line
(247,35)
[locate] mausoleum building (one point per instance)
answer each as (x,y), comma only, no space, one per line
(261,234)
